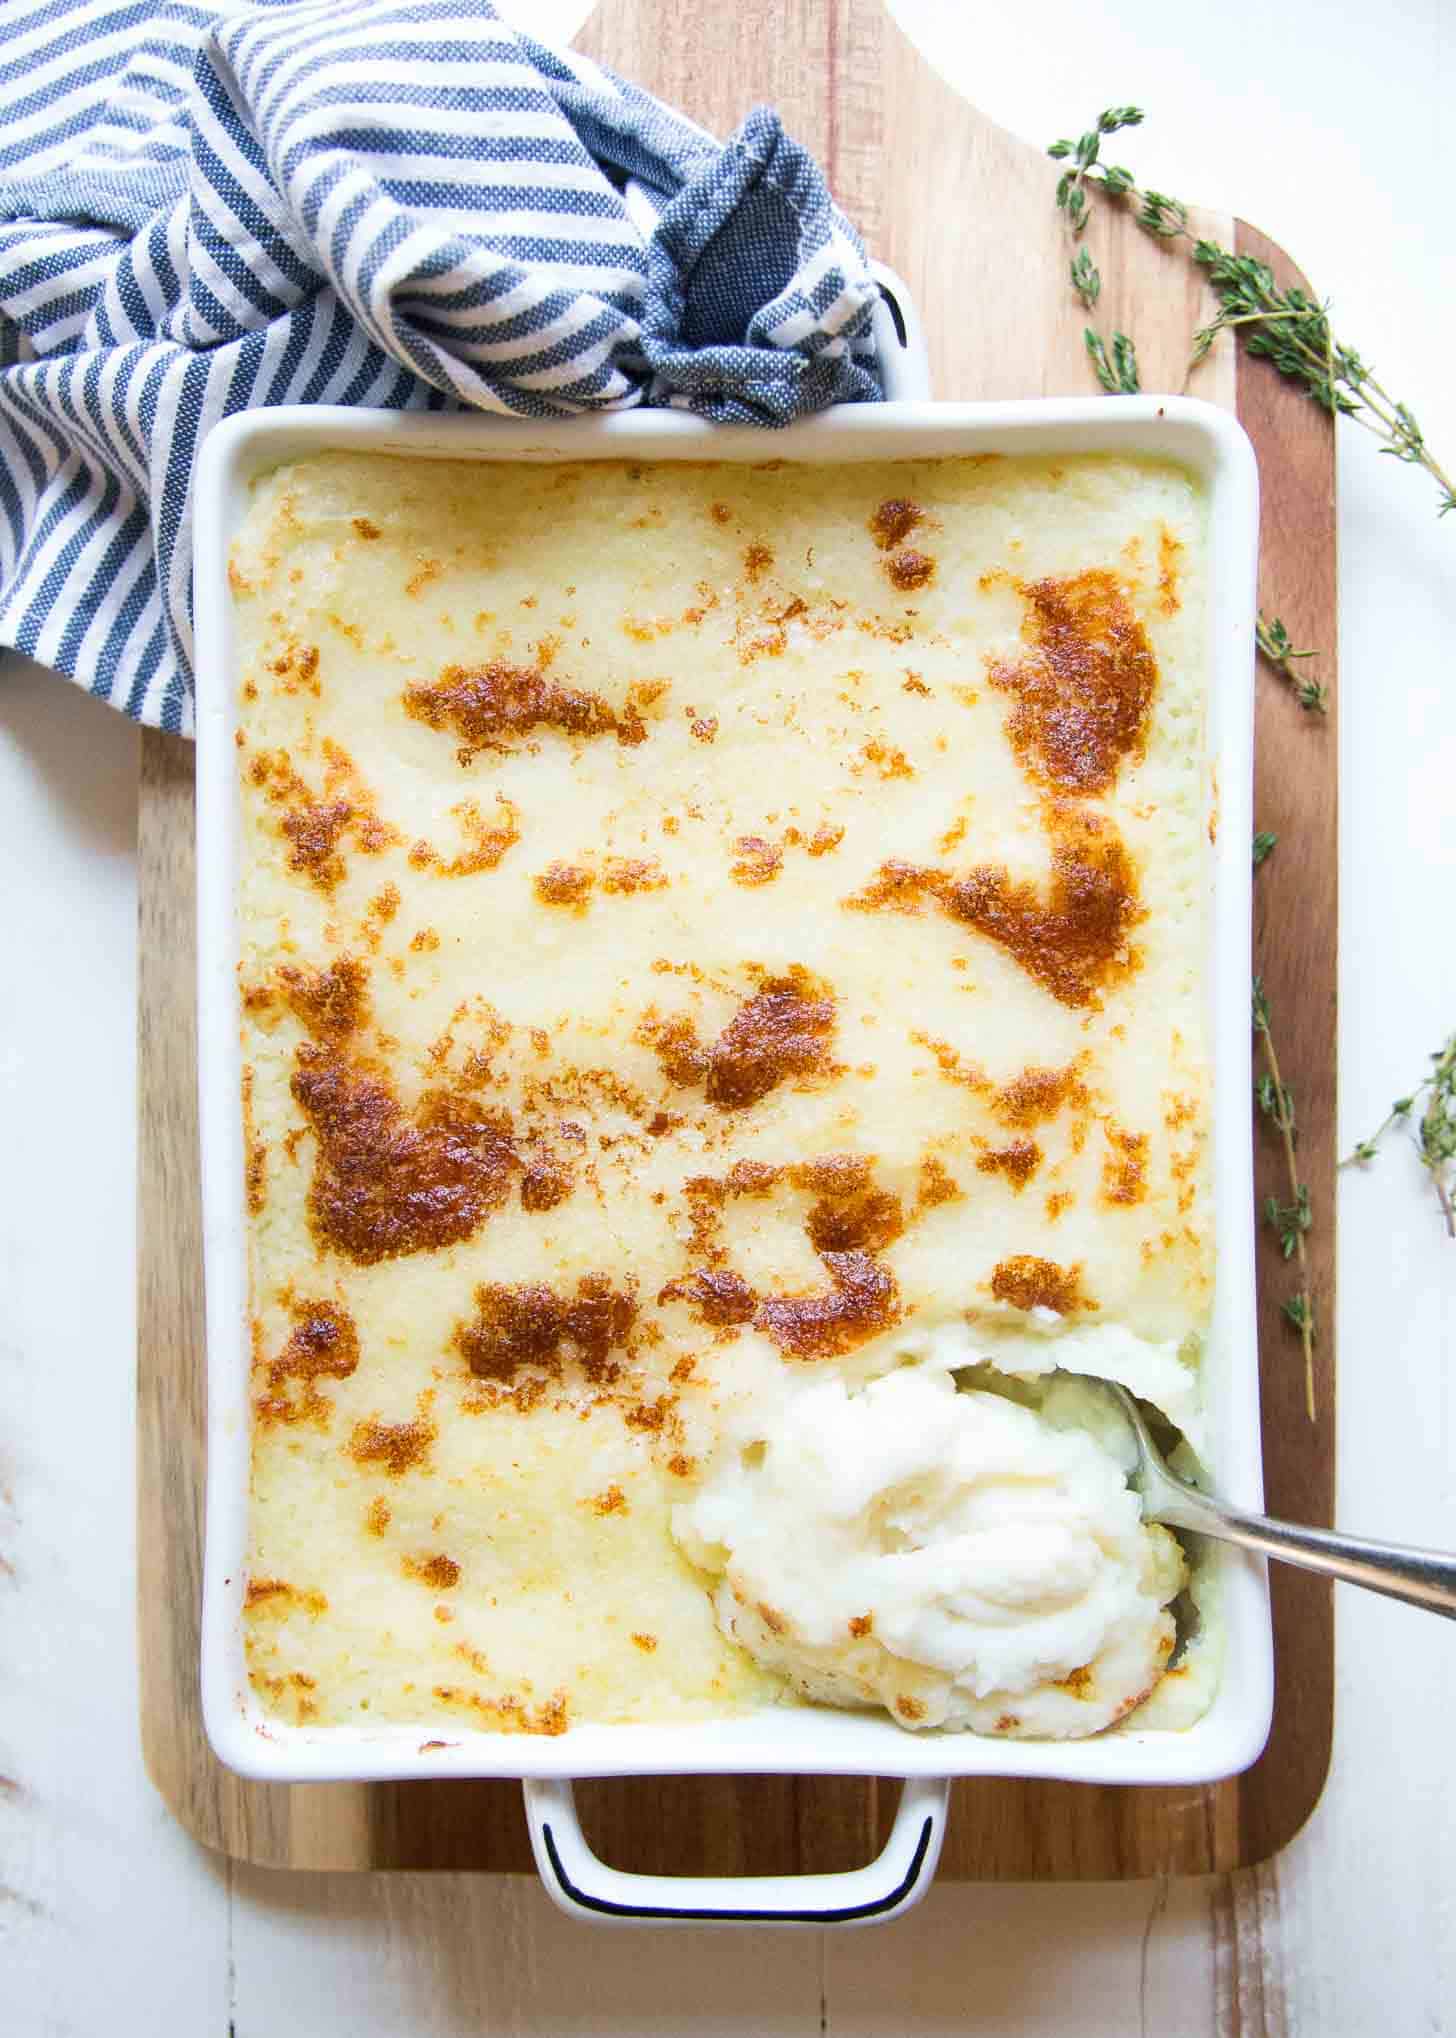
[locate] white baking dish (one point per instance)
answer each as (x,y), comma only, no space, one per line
(787,1740)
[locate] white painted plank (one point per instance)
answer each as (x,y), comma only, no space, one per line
(1103,1960)
(460,1956)
(104,1905)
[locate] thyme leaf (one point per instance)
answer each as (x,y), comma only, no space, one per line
(1086,279)
(1433,1132)
(1290,1221)
(1278,647)
(1117,372)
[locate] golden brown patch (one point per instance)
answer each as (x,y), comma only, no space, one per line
(1018,1162)
(861,1302)
(650,1416)
(829,1174)
(532,1326)
(1085,692)
(897,887)
(399,1447)
(296,668)
(646,630)
(862,1624)
(937,1185)
(781,1033)
(909,1708)
(316,825)
(893,522)
(387,1182)
(564,884)
(716,1295)
(1036,1094)
(613,1501)
(488,840)
(824,839)
(633,874)
(1124,1170)
(1079,1682)
(329,1003)
(757,559)
(383,907)
(487,706)
(1026,1282)
(758,861)
(440,1573)
(859,1219)
(255,1152)
(509,1715)
(1170,552)
(1180,1108)
(1058,1201)
(889,629)
(647,1643)
(913,683)
(704,727)
(425,941)
(910,570)
(544,1184)
(366,528)
(323,1345)
(1073,938)
(279,1596)
(721,513)
(379,1515)
(887,762)
(426,571)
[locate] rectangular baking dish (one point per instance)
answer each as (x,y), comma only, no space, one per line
(784,1740)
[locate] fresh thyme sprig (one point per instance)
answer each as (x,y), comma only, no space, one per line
(1086,159)
(1287,327)
(1119,374)
(1434,1130)
(1291,1221)
(1116,368)
(1278,647)
(1086,279)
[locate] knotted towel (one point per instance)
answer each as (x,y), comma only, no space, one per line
(405,204)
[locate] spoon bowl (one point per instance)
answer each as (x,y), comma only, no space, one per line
(1424,1578)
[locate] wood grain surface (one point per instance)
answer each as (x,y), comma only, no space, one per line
(964,212)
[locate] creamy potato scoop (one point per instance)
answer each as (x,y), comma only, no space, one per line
(952,1556)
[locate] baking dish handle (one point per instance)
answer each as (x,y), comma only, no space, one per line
(586,1888)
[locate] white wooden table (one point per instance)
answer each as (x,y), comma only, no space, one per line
(1323,124)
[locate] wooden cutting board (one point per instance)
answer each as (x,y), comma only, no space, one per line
(964,212)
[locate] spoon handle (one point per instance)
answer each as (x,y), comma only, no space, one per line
(1420,1577)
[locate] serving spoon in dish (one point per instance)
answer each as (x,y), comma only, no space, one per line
(1420,1577)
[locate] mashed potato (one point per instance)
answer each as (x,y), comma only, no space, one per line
(953,1556)
(710,933)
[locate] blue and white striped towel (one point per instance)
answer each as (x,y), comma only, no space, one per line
(399,203)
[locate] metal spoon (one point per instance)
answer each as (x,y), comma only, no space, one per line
(1421,1577)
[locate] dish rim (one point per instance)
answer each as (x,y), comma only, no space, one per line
(785,1740)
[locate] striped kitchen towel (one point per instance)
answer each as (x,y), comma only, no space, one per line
(399,203)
